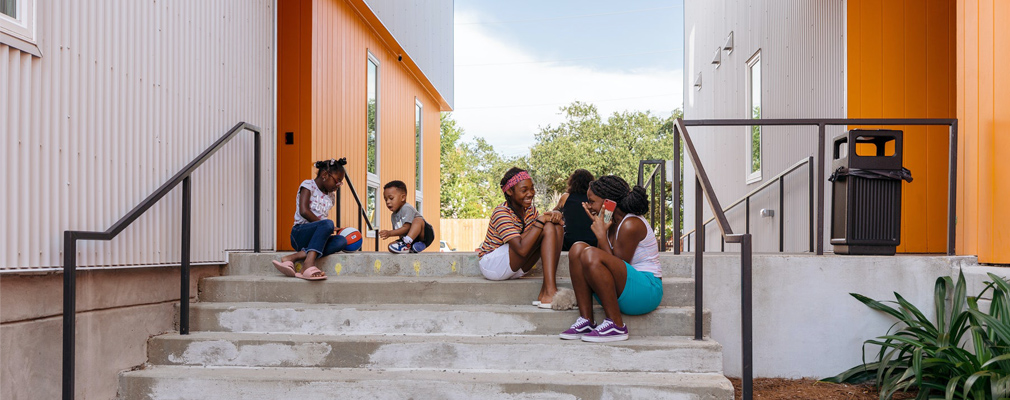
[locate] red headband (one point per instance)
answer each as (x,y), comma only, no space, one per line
(521,176)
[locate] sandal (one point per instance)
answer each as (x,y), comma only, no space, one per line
(310,274)
(286,267)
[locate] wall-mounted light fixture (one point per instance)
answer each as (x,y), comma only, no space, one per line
(728,46)
(717,60)
(697,82)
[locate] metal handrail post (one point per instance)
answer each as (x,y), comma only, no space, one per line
(662,210)
(187,195)
(820,190)
(69,311)
(952,191)
(257,157)
(676,191)
(699,268)
(746,324)
(782,214)
(810,195)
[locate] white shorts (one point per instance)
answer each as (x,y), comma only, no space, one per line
(495,265)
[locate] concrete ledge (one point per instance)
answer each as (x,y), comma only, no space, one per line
(805,322)
(108,342)
(400,290)
(417,265)
(303,383)
(528,353)
(392,319)
(32,296)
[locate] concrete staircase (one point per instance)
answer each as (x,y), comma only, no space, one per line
(424,326)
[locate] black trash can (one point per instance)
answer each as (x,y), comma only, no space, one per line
(866,192)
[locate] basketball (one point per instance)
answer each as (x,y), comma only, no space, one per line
(353,237)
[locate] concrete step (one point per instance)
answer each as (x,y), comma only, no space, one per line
(419,265)
(511,352)
(434,319)
(175,382)
(400,290)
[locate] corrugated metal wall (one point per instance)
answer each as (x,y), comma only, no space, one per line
(127,92)
(983,108)
(802,48)
(425,30)
(341,41)
(902,65)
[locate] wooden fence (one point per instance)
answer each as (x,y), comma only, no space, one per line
(463,234)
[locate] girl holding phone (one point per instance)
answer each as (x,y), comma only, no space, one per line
(622,272)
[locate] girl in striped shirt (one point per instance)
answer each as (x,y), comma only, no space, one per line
(518,236)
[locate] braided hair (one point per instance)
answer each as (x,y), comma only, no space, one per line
(579,182)
(331,165)
(630,200)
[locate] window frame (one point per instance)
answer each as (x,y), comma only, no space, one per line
(20,32)
(754,176)
(418,154)
(372,179)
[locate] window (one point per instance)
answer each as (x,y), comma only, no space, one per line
(754,112)
(372,142)
(418,153)
(17,24)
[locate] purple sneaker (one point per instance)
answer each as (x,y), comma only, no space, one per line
(607,332)
(417,247)
(581,327)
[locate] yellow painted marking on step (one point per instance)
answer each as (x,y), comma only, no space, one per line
(453,266)
(298,267)
(417,267)
(378,265)
(337,268)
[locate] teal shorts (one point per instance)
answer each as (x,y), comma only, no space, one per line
(642,292)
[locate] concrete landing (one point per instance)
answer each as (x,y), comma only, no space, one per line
(418,265)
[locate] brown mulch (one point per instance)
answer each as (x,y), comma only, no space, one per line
(810,389)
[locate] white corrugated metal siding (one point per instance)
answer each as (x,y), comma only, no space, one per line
(802,47)
(425,30)
(126,93)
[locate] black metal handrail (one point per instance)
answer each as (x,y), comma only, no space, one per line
(361,211)
(660,167)
(70,239)
(703,190)
(780,179)
(821,124)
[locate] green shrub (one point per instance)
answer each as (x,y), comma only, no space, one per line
(937,356)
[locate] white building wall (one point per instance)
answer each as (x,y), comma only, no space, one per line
(802,48)
(425,30)
(126,93)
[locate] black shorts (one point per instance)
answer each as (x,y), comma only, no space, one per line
(429,234)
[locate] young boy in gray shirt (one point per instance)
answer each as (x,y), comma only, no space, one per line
(415,234)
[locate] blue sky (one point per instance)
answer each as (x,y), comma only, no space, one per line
(518,61)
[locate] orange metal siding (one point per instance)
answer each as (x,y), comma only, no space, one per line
(901,64)
(340,42)
(983,108)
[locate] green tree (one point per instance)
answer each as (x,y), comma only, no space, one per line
(470,173)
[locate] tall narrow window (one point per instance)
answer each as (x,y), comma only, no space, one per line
(754,112)
(372,142)
(418,155)
(9,8)
(17,19)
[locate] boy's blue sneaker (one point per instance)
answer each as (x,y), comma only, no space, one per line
(417,247)
(398,247)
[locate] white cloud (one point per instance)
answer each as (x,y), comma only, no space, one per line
(508,102)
